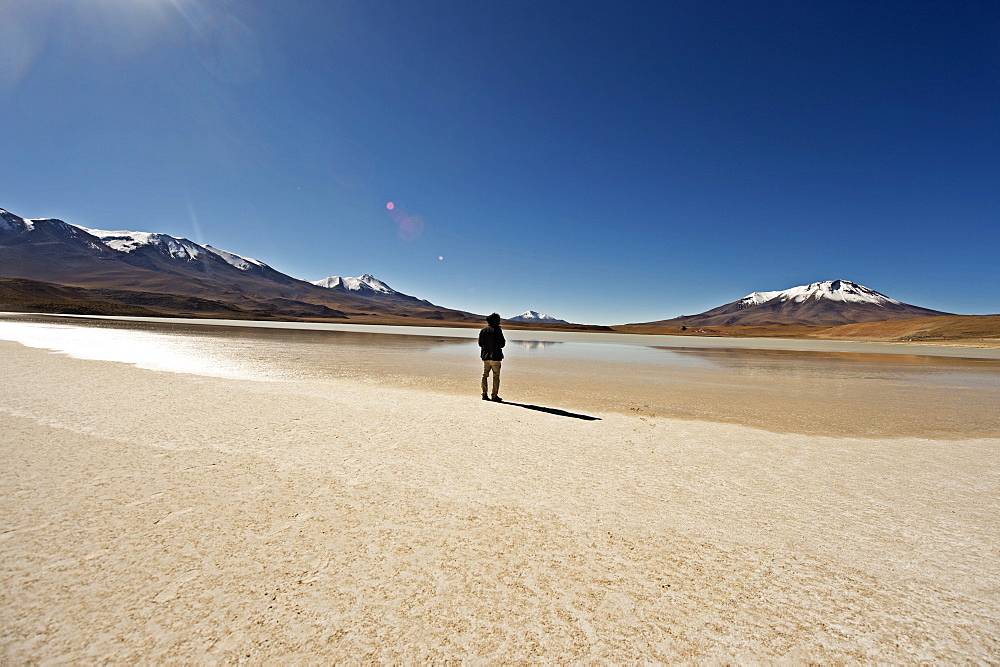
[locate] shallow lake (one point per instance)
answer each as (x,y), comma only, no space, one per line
(816,387)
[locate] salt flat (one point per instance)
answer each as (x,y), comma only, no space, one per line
(152,515)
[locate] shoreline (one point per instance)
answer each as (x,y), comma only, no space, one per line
(154,516)
(805,392)
(989,350)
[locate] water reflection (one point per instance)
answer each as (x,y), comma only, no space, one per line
(738,356)
(537,344)
(228,351)
(834,393)
(145,350)
(910,368)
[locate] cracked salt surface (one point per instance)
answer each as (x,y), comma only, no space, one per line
(154,517)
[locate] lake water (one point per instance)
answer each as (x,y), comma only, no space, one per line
(815,387)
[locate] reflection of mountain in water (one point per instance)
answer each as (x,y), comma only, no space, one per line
(536,344)
(828,364)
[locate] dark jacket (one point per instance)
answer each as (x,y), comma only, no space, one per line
(491,342)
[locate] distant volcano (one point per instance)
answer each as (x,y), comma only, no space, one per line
(827,303)
(532,316)
(370,287)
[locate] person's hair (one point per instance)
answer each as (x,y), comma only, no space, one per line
(493,320)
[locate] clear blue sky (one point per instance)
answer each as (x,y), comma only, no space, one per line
(603,162)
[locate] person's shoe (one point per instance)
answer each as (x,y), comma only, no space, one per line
(485,397)
(497,399)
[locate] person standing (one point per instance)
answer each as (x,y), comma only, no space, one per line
(491,344)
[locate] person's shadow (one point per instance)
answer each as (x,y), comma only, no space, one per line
(553,411)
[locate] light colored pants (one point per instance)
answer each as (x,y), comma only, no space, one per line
(495,367)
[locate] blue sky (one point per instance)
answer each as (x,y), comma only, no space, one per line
(602,162)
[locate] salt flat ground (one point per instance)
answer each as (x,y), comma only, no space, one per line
(375,513)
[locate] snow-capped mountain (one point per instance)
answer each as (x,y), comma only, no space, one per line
(368,286)
(533,316)
(239,261)
(176,247)
(123,241)
(834,290)
(830,302)
(199,278)
(364,283)
(11,223)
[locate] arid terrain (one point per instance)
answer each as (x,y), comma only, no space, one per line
(19,295)
(980,330)
(363,510)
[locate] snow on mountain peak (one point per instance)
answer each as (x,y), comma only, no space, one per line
(126,241)
(176,247)
(239,261)
(12,223)
(832,290)
(357,284)
(329,282)
(534,316)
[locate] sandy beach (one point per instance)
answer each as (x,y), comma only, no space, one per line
(152,516)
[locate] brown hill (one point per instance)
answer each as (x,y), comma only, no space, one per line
(942,329)
(187,279)
(734,331)
(32,296)
(19,295)
(921,329)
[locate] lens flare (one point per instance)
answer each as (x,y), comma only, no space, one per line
(411,228)
(408,227)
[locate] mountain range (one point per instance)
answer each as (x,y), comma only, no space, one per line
(52,266)
(172,275)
